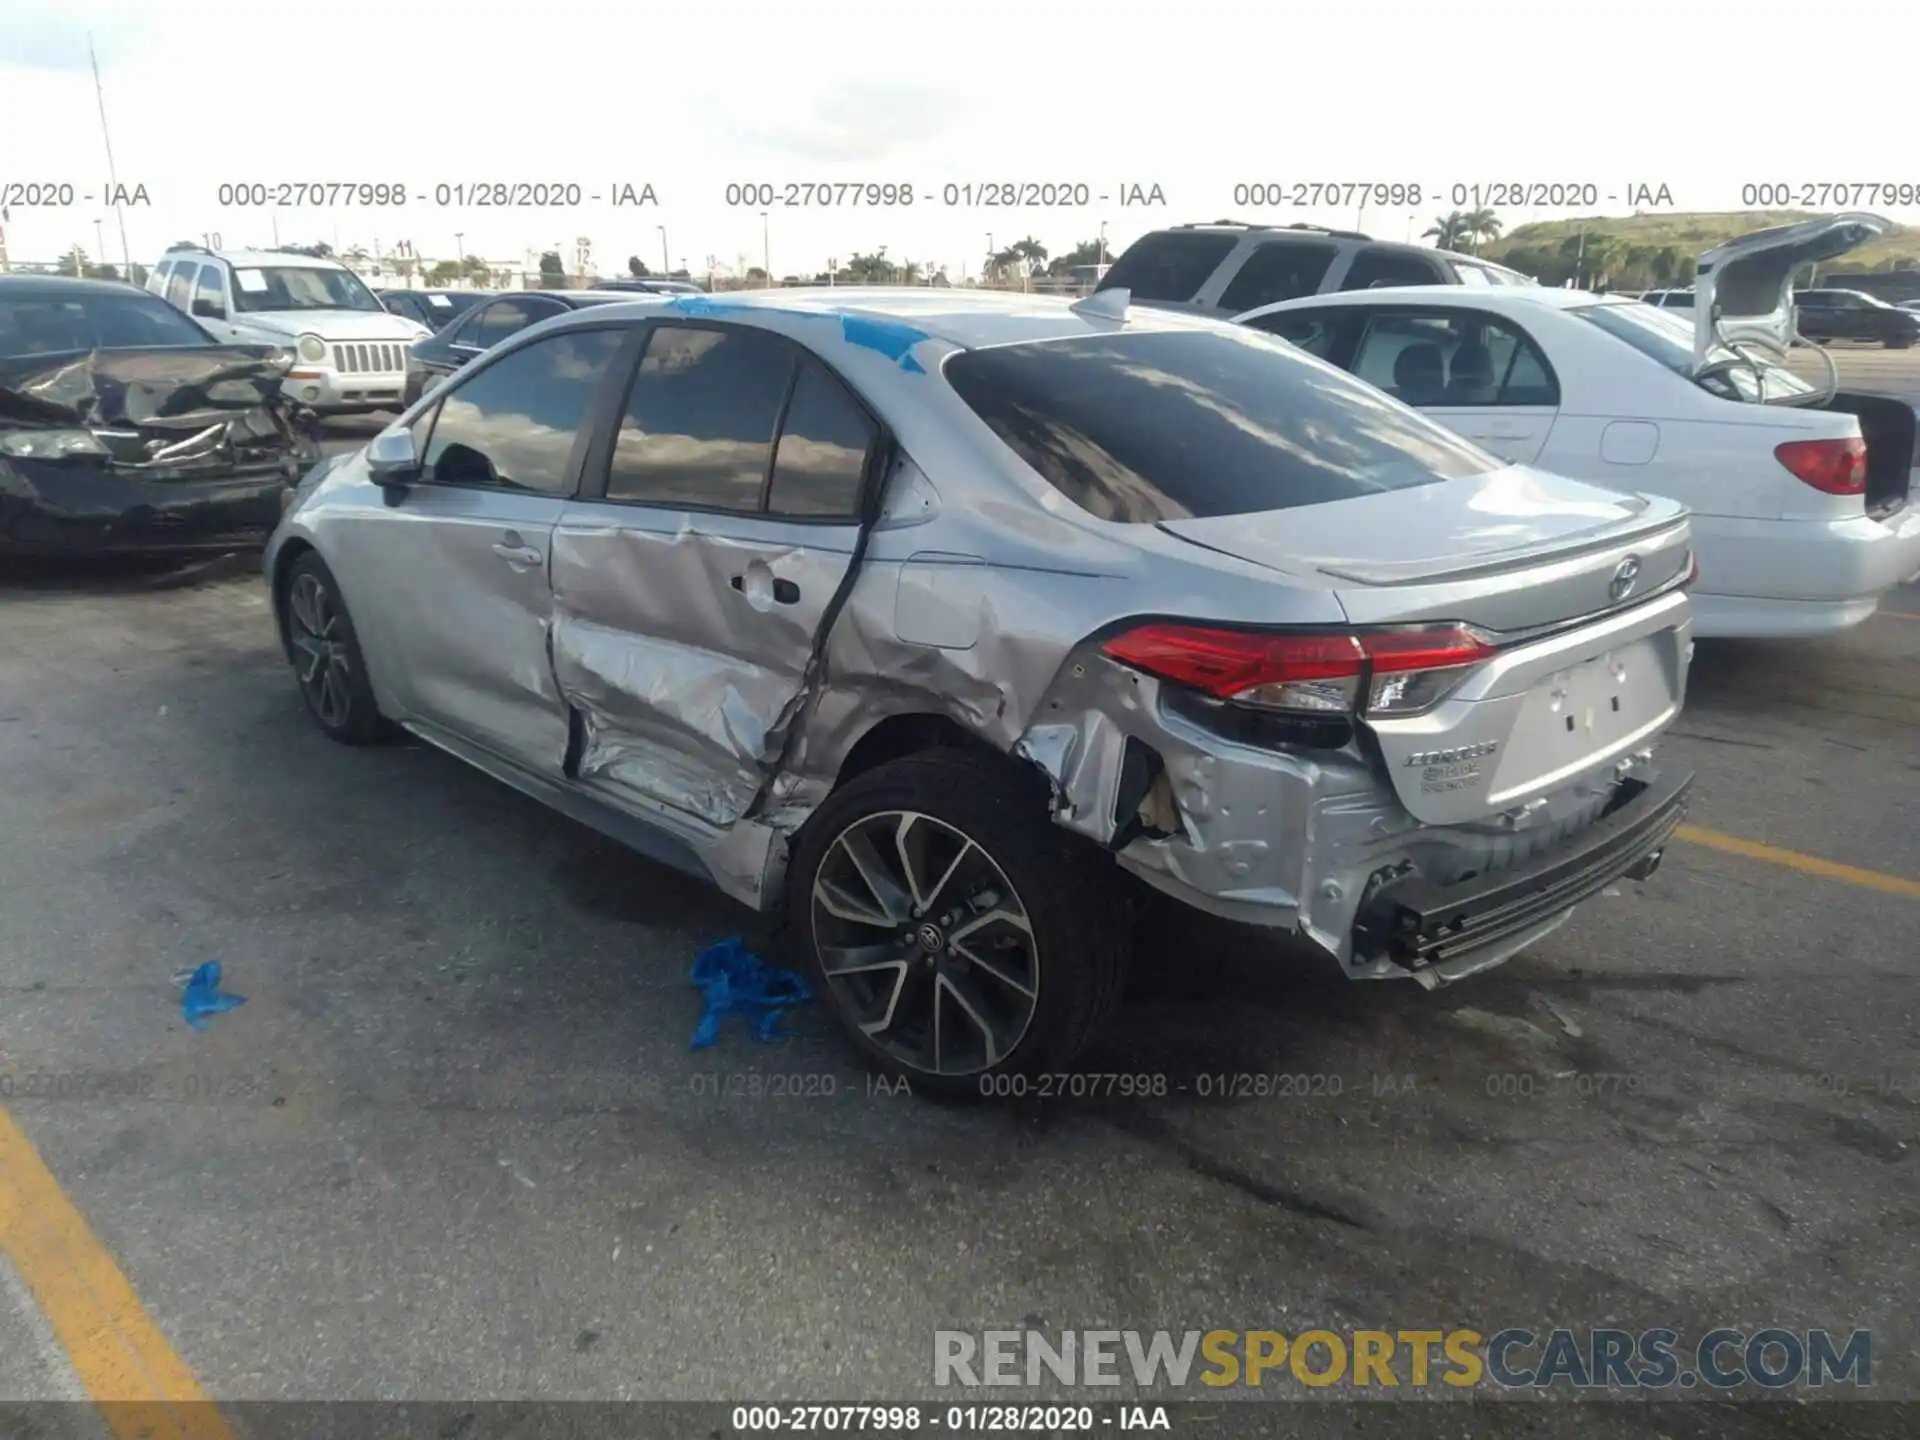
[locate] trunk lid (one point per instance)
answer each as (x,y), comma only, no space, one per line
(1581,590)
(1512,550)
(1743,290)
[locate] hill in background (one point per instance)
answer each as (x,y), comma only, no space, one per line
(1638,251)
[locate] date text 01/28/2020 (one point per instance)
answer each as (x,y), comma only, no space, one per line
(953,195)
(443,195)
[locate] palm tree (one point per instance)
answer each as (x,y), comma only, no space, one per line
(1449,231)
(1480,225)
(1031,253)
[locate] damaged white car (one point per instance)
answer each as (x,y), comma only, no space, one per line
(927,617)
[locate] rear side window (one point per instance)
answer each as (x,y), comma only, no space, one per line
(504,318)
(699,421)
(1170,265)
(1372,268)
(1314,332)
(1140,428)
(1279,270)
(822,456)
(1460,358)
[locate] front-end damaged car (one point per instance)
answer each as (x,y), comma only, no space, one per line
(934,622)
(125,428)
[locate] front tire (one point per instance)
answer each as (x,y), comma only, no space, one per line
(327,663)
(953,930)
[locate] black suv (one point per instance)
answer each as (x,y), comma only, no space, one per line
(1854,315)
(1228,268)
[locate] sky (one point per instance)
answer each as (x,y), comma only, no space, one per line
(1194,99)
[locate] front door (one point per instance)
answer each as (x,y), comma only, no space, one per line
(458,568)
(716,527)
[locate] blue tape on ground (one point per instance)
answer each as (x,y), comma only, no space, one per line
(203,996)
(738,982)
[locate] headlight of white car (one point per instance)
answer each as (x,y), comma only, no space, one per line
(312,348)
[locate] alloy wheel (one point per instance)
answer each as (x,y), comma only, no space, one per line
(925,943)
(320,654)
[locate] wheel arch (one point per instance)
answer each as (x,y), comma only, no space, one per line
(283,562)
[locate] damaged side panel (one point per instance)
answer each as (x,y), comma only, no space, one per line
(683,643)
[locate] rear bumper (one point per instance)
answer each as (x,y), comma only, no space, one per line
(1439,933)
(1766,578)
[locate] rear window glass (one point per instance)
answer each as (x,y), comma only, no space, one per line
(1169,425)
(1667,340)
(53,325)
(1172,265)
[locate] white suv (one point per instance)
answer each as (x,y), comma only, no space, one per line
(351,352)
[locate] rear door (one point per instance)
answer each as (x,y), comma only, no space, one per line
(457,568)
(1488,381)
(695,573)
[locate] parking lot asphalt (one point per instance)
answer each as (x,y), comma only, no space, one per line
(454,1144)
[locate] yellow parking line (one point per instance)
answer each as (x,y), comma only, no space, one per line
(1794,860)
(144,1390)
(1897,615)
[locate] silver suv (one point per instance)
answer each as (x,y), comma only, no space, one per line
(1228,268)
(350,350)
(927,618)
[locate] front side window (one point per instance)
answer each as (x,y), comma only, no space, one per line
(300,287)
(1279,270)
(499,320)
(513,424)
(180,286)
(211,293)
(1166,425)
(699,422)
(1460,358)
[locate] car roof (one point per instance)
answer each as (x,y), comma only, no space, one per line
(56,286)
(969,319)
(1462,296)
(257,258)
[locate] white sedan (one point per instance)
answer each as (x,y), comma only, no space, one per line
(1799,494)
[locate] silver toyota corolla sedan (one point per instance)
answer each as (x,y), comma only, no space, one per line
(936,620)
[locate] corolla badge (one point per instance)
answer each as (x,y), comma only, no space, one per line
(1624,576)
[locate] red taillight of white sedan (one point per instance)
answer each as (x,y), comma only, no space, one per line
(1835,467)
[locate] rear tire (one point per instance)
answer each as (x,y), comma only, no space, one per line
(955,932)
(325,651)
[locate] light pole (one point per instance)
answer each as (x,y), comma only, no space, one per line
(766,250)
(99,242)
(1101,258)
(460,253)
(665,264)
(987,272)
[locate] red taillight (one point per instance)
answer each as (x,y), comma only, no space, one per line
(1837,467)
(1316,673)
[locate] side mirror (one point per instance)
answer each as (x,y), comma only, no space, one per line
(208,310)
(392,463)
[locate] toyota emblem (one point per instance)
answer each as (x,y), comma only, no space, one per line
(1624,574)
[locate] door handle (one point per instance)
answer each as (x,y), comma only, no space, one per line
(785,592)
(518,554)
